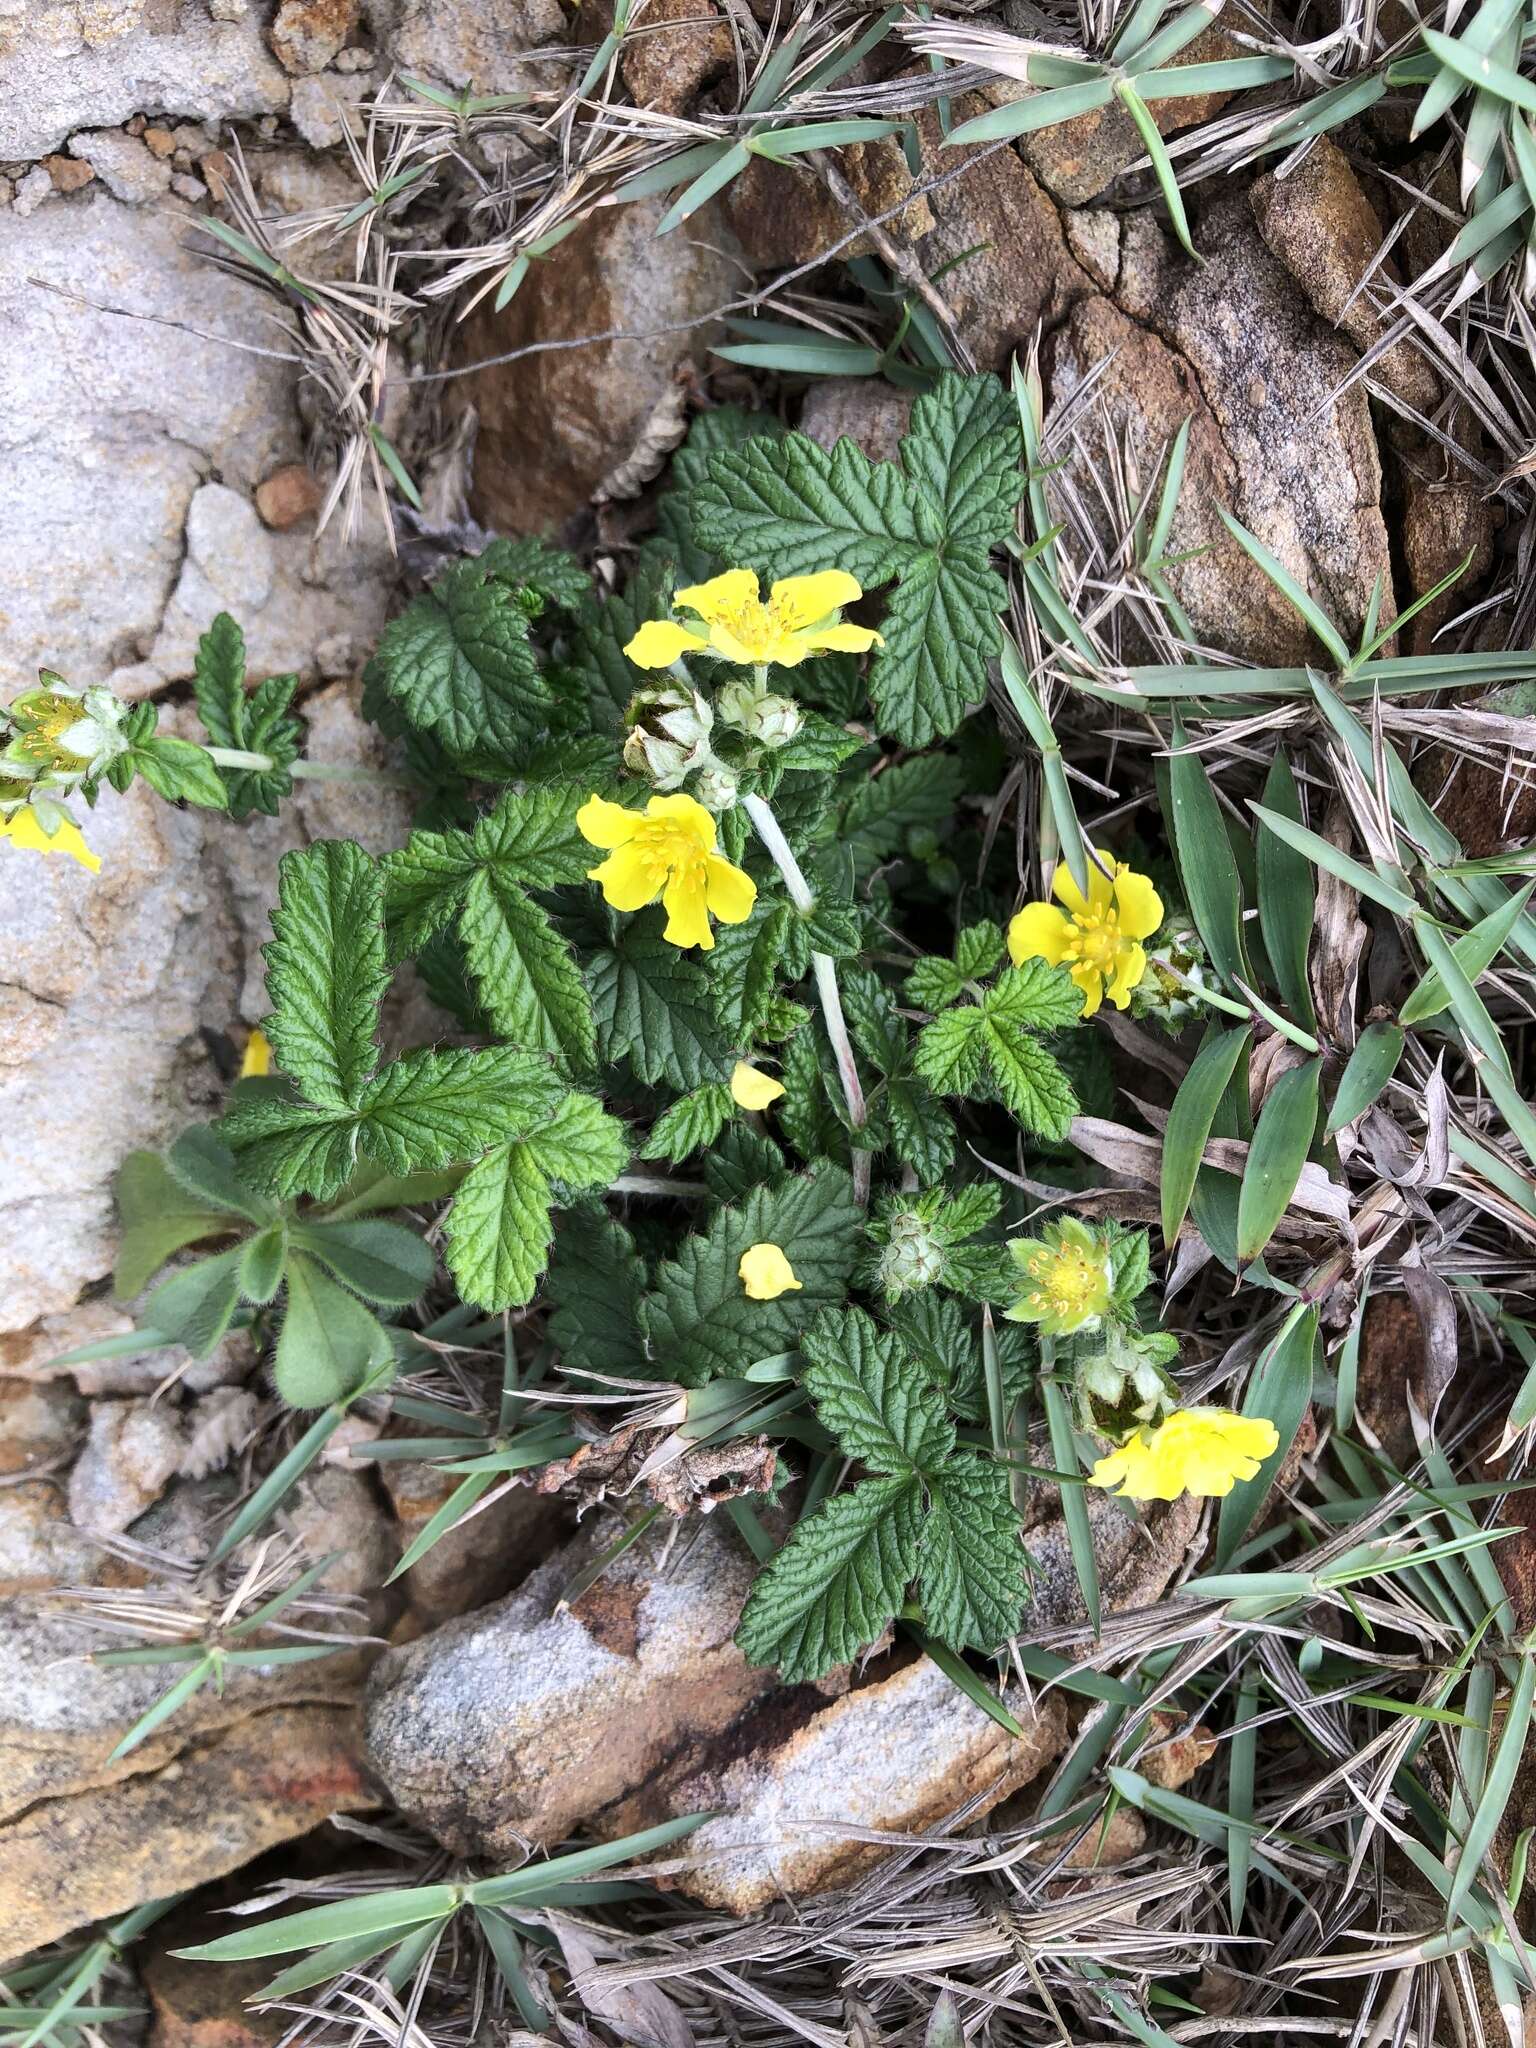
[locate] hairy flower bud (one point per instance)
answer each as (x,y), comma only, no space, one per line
(771,721)
(669,735)
(913,1256)
(716,788)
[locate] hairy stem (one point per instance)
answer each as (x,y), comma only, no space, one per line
(824,971)
(309,771)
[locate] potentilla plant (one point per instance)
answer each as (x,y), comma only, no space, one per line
(741,1002)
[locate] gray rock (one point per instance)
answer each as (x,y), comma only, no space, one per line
(32,188)
(863,409)
(111,426)
(320,106)
(514,1723)
(123,164)
(68,64)
(134,1450)
(467,44)
(110,982)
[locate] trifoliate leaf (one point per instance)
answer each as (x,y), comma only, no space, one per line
(432,1108)
(499,1229)
(326,971)
(699,1320)
(837,1582)
(949,1051)
(458,664)
(650,1001)
(596,1282)
(973,1566)
(791,507)
(694,1121)
(873,1396)
(529,984)
(978,949)
(934,984)
(580,1145)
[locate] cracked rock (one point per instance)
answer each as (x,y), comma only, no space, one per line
(129,171)
(469,46)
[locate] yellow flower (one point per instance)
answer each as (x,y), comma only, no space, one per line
(258,1056)
(1067,1281)
(669,853)
(751,1089)
(1193,1450)
(24,829)
(1100,939)
(799,619)
(765,1273)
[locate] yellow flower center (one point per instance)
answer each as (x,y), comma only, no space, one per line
(1095,941)
(49,716)
(1067,1281)
(759,627)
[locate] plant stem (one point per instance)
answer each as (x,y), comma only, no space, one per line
(309,771)
(824,970)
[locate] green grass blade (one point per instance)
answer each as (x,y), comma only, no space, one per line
(1475,953)
(1498,1789)
(342,1920)
(528,1883)
(1189,1123)
(1206,861)
(1074,1501)
(1281,1141)
(1280,1389)
(1370,1067)
(1287,896)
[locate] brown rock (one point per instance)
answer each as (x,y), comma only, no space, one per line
(517,1722)
(1013,271)
(160,142)
(68,173)
(1175,1752)
(288,495)
(783,214)
(480,1559)
(64,1862)
(554,425)
(202,2005)
(307,34)
(899,1755)
(1444,523)
(217,171)
(861,409)
(1322,226)
(672,50)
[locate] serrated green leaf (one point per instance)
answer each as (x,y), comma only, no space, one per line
(1031,1082)
(499,1229)
(424,884)
(180,772)
(979,948)
(694,1121)
(742,1160)
(329,1342)
(580,1145)
(744,969)
(596,1282)
(877,1026)
(951,1051)
(218,682)
(651,1003)
(458,664)
(904,797)
(326,971)
(288,1149)
(973,1566)
(527,977)
(1037,996)
(433,1108)
(838,1581)
(699,1321)
(934,984)
(922,1131)
(873,1396)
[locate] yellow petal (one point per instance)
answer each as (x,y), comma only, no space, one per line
(720,596)
(752,1089)
(687,815)
(765,646)
(729,892)
(1038,932)
(628,878)
(660,642)
(1139,905)
(1091,982)
(23,830)
(765,1273)
(687,917)
(800,601)
(1130,966)
(1111,1470)
(841,639)
(257,1059)
(1101,890)
(606,825)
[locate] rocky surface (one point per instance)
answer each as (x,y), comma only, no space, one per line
(273,1776)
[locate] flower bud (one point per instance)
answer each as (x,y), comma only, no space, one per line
(912,1255)
(62,733)
(770,720)
(716,787)
(669,735)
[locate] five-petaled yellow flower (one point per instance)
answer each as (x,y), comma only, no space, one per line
(670,853)
(1099,940)
(24,829)
(765,1273)
(1193,1450)
(730,620)
(1067,1279)
(753,1089)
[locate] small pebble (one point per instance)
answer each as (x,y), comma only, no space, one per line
(287,496)
(32,190)
(185,186)
(68,172)
(160,142)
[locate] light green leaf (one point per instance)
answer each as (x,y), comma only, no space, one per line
(526,974)
(1287,895)
(1281,1140)
(380,1260)
(326,971)
(194,1307)
(1190,1120)
(499,1229)
(694,1121)
(432,1108)
(159,1217)
(1206,861)
(329,1342)
(1371,1066)
(1279,1390)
